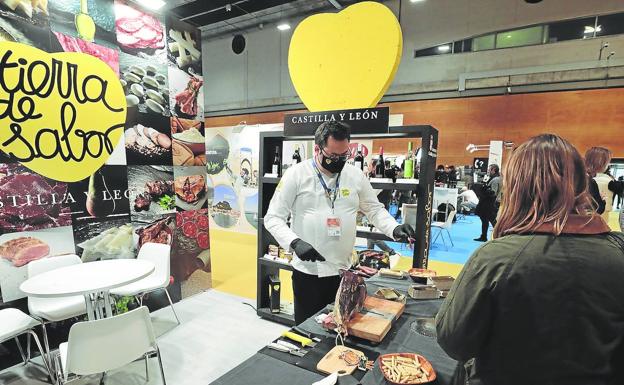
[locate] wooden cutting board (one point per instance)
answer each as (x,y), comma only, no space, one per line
(375,321)
(332,362)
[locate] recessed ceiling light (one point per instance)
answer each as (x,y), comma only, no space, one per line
(283,26)
(152,4)
(444,48)
(416,1)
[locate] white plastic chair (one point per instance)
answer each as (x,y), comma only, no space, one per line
(107,344)
(14,323)
(47,310)
(444,226)
(159,254)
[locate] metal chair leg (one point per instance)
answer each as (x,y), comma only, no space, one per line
(437,235)
(28,338)
(146,368)
(450,238)
(46,343)
(162,370)
(21,351)
(102,378)
(171,304)
(45,357)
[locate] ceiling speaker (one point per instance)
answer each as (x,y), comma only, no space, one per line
(238,44)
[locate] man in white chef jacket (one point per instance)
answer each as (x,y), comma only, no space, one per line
(322,196)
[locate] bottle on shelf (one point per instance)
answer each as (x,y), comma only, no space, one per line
(358,160)
(296,158)
(275,169)
(408,168)
(380,168)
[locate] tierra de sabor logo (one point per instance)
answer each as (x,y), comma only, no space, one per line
(61,114)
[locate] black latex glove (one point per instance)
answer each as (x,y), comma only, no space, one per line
(404,232)
(305,251)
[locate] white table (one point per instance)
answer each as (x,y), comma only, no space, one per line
(93,280)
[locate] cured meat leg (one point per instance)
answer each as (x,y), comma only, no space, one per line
(349,300)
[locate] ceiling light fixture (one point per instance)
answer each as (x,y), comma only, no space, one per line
(444,48)
(283,26)
(590,29)
(416,1)
(152,4)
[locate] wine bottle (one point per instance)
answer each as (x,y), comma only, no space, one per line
(380,168)
(296,158)
(358,161)
(276,162)
(408,169)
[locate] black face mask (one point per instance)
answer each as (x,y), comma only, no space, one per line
(333,166)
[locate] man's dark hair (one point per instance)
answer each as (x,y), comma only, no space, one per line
(336,130)
(494,167)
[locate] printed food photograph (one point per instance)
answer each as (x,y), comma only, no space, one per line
(23,31)
(156,231)
(189,143)
(151,192)
(89,20)
(105,240)
(190,262)
(103,195)
(148,140)
(145,84)
(29,201)
(140,33)
(190,187)
(17,250)
(66,43)
(184,46)
(29,11)
(186,93)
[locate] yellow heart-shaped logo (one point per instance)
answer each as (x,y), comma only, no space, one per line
(62,114)
(345,60)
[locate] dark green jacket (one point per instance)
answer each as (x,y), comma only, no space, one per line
(541,309)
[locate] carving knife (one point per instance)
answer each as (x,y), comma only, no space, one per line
(304,341)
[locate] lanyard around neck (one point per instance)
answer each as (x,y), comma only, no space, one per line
(331,194)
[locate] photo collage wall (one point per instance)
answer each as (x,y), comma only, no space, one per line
(154,187)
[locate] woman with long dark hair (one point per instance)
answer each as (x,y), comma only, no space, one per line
(596,162)
(543,302)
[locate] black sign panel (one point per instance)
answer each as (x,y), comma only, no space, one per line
(480,164)
(361,121)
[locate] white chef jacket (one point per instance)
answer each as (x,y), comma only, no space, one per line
(301,195)
(469,196)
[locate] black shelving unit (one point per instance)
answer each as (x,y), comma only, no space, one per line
(423,187)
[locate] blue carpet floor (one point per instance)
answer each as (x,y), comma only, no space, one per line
(463,232)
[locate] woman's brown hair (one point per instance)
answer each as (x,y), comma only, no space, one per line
(596,160)
(544,181)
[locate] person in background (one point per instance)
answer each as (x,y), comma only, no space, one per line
(489,201)
(452,176)
(596,161)
(322,196)
(468,199)
(618,190)
(440,175)
(542,302)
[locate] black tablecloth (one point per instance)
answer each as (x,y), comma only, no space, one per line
(281,368)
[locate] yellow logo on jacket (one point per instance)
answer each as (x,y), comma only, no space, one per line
(61,114)
(345,60)
(345,192)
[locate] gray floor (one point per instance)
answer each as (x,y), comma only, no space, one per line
(217,333)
